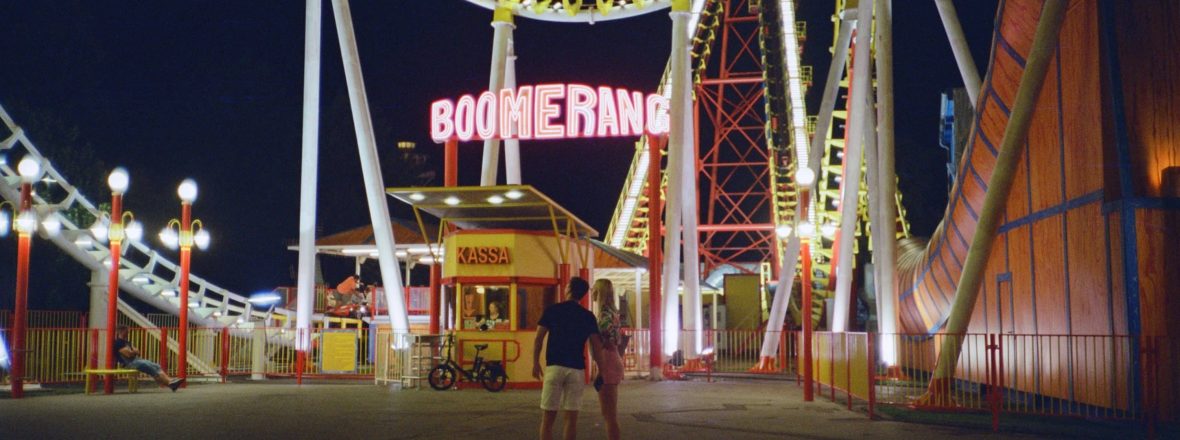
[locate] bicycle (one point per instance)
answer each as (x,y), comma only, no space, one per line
(490,374)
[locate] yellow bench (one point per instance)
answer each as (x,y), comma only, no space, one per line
(132,377)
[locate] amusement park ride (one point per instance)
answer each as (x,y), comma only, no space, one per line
(733,174)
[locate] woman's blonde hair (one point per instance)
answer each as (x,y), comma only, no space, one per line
(606,293)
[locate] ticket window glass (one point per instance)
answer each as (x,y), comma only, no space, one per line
(485,307)
(531,300)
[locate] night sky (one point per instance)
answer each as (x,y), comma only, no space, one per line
(213,90)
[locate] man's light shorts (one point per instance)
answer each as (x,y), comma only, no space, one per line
(562,388)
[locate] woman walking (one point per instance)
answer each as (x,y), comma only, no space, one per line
(614,344)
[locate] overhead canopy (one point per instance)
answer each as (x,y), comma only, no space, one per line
(494,207)
(608,257)
(360,241)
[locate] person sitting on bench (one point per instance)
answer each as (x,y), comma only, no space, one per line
(128,356)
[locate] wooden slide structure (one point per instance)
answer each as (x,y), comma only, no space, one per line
(1087,239)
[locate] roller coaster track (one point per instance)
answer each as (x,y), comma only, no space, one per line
(783,103)
(144,273)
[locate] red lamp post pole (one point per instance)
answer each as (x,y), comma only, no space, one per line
(113,286)
(21,310)
(808,391)
(654,259)
(186,251)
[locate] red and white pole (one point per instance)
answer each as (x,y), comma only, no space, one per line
(808,391)
(186,252)
(21,310)
(113,287)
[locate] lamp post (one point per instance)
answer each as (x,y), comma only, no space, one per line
(121,225)
(184,238)
(24,221)
(806,232)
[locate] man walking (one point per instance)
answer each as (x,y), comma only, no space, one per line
(568,325)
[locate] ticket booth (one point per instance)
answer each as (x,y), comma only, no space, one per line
(506,252)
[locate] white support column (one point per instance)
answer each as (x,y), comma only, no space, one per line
(827,105)
(693,309)
(637,319)
(98,307)
(511,146)
(502,25)
(371,169)
(850,185)
(887,186)
(305,277)
(258,360)
(782,297)
(678,147)
(954,34)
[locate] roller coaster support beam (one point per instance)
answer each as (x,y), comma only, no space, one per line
(954,34)
(827,104)
(502,33)
(793,252)
(305,283)
(995,201)
(371,169)
(511,146)
(886,184)
(677,144)
(850,186)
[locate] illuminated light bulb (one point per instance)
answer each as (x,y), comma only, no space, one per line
(168,293)
(401,254)
(201,239)
(807,229)
(118,180)
(417,197)
(805,176)
(99,230)
(169,237)
(5,223)
(514,194)
(135,231)
(52,225)
(29,169)
(187,191)
(495,200)
(26,222)
(783,231)
(194,304)
(452,200)
(828,229)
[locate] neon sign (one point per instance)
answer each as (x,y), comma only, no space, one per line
(549,111)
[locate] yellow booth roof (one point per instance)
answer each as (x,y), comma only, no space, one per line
(494,207)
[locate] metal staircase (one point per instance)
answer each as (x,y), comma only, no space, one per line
(144,273)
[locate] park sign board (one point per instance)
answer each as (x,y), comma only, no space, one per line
(549,111)
(483,255)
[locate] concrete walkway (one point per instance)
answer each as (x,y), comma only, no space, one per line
(333,410)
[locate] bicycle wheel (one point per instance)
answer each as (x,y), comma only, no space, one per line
(442,377)
(493,378)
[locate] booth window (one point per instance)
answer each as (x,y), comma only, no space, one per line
(531,300)
(485,307)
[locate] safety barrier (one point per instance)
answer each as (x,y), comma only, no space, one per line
(46,319)
(58,355)
(1094,377)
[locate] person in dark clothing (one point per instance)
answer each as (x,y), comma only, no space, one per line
(568,326)
(128,356)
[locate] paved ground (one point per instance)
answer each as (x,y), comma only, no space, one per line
(280,409)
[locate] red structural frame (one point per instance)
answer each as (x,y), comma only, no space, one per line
(733,163)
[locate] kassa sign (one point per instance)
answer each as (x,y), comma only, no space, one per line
(549,111)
